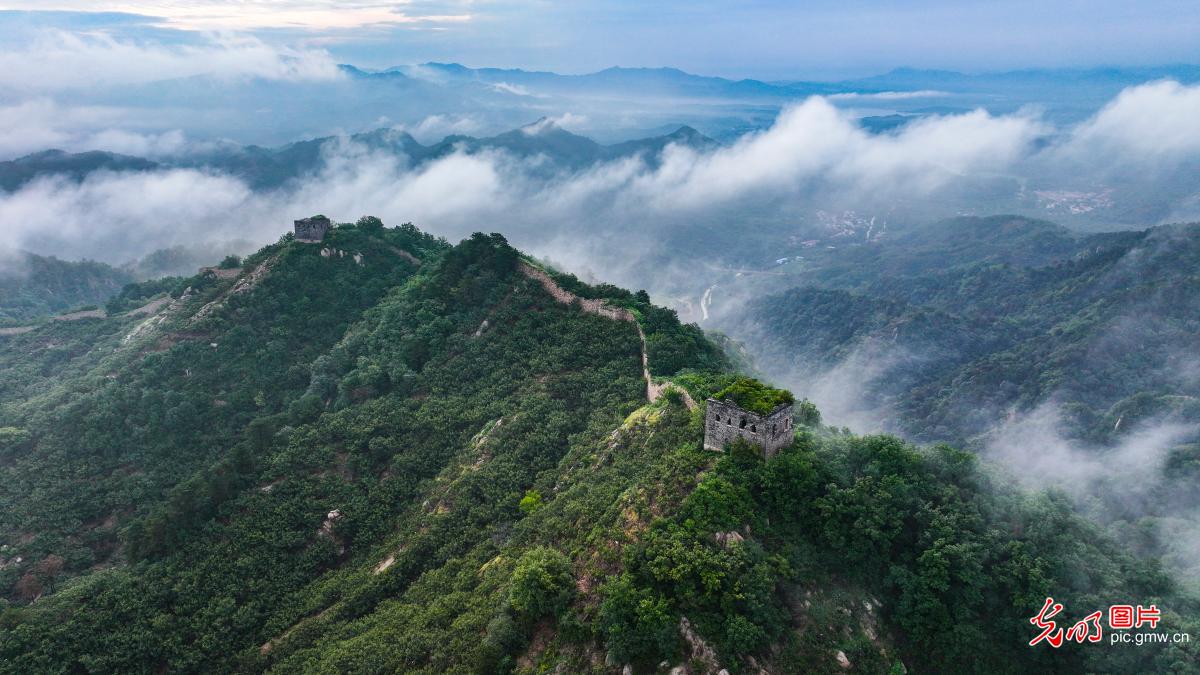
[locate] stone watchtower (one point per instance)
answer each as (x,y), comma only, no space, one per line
(312,230)
(725,420)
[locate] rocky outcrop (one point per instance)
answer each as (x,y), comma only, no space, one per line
(702,653)
(727,539)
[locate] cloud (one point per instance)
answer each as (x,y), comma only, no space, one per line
(58,60)
(1148,123)
(812,154)
(41,123)
(26,127)
(1124,486)
(888,95)
(567,120)
(814,141)
(846,393)
(514,89)
(1035,449)
(139,145)
(257,14)
(436,127)
(109,215)
(117,217)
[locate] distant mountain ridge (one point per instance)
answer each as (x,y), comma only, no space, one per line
(263,167)
(668,78)
(17,172)
(662,81)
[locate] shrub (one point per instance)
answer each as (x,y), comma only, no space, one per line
(542,583)
(750,394)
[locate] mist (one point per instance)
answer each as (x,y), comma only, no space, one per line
(1125,485)
(621,216)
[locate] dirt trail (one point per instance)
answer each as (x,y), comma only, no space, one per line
(602,308)
(150,308)
(82,314)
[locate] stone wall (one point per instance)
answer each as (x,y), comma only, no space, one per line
(312,229)
(724,422)
(602,308)
(589,305)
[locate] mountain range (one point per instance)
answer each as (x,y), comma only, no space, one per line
(266,168)
(611,105)
(383,452)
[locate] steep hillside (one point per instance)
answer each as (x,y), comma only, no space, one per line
(1080,372)
(383,453)
(1027,315)
(34,286)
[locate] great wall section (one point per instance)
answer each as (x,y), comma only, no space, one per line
(601,308)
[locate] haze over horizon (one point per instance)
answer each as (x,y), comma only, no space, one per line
(762,40)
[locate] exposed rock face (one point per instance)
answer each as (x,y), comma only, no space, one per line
(726,539)
(312,230)
(326,530)
(725,421)
(702,654)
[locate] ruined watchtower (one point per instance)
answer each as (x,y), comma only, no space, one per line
(751,410)
(312,230)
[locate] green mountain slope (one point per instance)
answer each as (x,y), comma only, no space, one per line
(383,453)
(1026,315)
(34,286)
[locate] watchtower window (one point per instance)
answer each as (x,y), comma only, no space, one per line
(754,428)
(742,425)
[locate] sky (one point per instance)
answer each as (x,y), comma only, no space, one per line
(766,39)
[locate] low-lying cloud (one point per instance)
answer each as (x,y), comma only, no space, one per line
(1154,122)
(1125,486)
(613,212)
(889,95)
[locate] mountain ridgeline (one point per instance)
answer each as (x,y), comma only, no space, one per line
(266,168)
(386,453)
(33,286)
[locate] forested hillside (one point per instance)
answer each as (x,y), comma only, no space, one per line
(34,286)
(1104,324)
(386,453)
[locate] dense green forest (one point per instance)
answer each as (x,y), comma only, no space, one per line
(386,453)
(978,331)
(34,286)
(987,315)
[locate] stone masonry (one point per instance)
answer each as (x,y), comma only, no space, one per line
(725,421)
(312,230)
(602,308)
